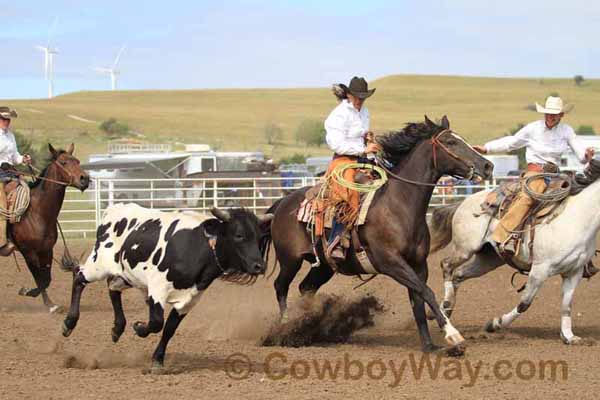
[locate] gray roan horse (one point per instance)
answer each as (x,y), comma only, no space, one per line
(395,235)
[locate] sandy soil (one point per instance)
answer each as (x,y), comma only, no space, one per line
(228,323)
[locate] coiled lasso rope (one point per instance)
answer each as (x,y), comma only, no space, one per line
(338,176)
(553,195)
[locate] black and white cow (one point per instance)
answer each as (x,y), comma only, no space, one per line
(172,256)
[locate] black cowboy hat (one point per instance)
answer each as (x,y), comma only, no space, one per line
(7,113)
(359,87)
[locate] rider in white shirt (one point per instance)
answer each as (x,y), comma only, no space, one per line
(9,156)
(545,142)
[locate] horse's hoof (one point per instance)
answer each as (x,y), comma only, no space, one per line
(577,341)
(23,291)
(493,325)
(56,309)
(456,351)
(455,339)
(65,330)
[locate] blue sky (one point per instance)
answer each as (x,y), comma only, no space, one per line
(188,44)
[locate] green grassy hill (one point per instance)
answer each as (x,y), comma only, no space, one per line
(478,108)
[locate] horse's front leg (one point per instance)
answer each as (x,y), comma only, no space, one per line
(537,277)
(569,284)
(399,270)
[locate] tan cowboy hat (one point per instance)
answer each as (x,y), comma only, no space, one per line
(554,105)
(7,113)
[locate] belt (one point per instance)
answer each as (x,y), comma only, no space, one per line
(336,155)
(541,168)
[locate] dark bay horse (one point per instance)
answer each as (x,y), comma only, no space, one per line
(395,235)
(35,234)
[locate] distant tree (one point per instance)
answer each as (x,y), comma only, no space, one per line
(585,130)
(273,132)
(554,94)
(297,158)
(311,132)
(578,79)
(114,128)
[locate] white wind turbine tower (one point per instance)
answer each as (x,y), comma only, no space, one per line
(49,53)
(112,71)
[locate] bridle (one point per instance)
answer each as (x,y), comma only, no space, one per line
(43,178)
(435,143)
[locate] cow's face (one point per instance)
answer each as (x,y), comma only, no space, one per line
(239,235)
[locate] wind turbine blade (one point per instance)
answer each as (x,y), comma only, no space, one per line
(51,30)
(118,56)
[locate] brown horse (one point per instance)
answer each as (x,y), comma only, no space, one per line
(36,233)
(395,235)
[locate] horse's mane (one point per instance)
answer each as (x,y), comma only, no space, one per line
(44,171)
(397,144)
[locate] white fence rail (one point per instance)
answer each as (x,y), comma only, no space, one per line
(81,212)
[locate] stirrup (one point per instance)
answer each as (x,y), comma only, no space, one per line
(511,245)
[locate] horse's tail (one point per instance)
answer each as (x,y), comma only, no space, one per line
(266,238)
(440,226)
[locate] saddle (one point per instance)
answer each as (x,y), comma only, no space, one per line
(319,216)
(18,197)
(497,203)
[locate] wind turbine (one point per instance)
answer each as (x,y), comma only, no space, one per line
(49,53)
(112,71)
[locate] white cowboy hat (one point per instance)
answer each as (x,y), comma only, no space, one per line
(554,105)
(7,113)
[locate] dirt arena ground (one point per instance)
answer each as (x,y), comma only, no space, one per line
(381,362)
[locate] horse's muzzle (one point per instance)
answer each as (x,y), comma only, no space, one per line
(84,182)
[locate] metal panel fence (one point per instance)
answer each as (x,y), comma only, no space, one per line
(81,212)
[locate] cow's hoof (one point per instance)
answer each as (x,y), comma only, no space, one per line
(456,351)
(66,331)
(140,329)
(493,325)
(116,335)
(55,309)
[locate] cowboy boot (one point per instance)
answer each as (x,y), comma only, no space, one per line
(590,270)
(6,247)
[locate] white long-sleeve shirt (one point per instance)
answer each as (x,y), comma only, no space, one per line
(346,128)
(543,144)
(8,148)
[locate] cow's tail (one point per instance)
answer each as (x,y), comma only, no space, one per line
(440,226)
(266,238)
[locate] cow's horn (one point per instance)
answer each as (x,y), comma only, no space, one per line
(220,214)
(263,219)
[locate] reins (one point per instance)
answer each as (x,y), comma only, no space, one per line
(434,145)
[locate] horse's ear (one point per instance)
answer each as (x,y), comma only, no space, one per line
(429,122)
(52,151)
(445,122)
(71,148)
